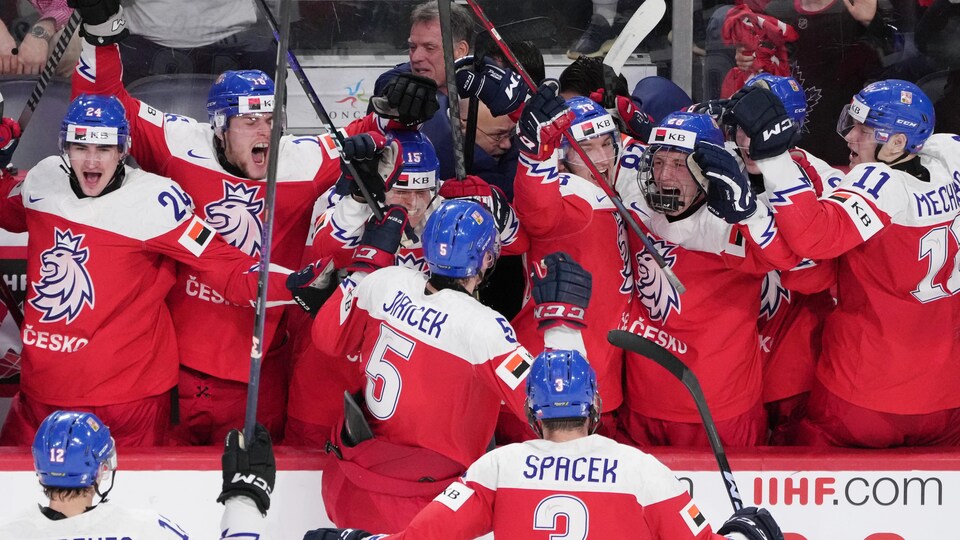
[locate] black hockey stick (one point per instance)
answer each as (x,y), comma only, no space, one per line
(72,23)
(317,106)
(629,341)
(279,100)
(614,198)
(453,96)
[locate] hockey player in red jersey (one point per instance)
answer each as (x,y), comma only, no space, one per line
(571,484)
(887,370)
(426,341)
(222,169)
(723,268)
(75,459)
(103,242)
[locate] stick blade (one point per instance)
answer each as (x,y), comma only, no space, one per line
(641,23)
(629,341)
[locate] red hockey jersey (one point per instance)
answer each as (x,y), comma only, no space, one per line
(96,330)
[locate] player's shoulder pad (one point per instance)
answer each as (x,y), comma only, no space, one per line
(301,156)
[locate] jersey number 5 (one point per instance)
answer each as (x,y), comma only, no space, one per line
(934,246)
(546,517)
(384,383)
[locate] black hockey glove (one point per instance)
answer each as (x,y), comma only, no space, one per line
(377,163)
(409,99)
(103,22)
(728,191)
(544,119)
(762,117)
(249,470)
(477,189)
(561,289)
(312,285)
(501,90)
(380,241)
(9,138)
(337,534)
(754,523)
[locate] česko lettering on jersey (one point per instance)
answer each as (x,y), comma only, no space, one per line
(197,236)
(515,367)
(455,495)
(91,135)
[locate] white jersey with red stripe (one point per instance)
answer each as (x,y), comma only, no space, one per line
(182,148)
(96,329)
(896,239)
(601,488)
(437,365)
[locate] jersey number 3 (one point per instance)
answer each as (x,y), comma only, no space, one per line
(384,383)
(547,517)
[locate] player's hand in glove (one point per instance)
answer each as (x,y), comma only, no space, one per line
(544,119)
(501,90)
(312,285)
(561,289)
(377,163)
(249,467)
(751,523)
(409,99)
(103,22)
(763,118)
(716,108)
(339,534)
(633,121)
(9,138)
(728,191)
(380,241)
(477,189)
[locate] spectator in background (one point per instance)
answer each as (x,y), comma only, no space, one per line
(174,36)
(761,47)
(599,35)
(31,54)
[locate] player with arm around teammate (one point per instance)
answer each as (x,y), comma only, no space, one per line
(604,489)
(888,224)
(75,459)
(103,240)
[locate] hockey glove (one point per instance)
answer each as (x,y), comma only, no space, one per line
(632,120)
(251,470)
(9,138)
(378,164)
(477,189)
(728,190)
(753,523)
(561,289)
(103,22)
(762,117)
(380,241)
(544,119)
(501,90)
(338,534)
(409,99)
(312,285)
(716,108)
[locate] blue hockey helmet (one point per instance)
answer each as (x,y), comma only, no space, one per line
(458,236)
(681,130)
(891,106)
(789,91)
(248,91)
(70,448)
(96,119)
(420,162)
(562,384)
(590,120)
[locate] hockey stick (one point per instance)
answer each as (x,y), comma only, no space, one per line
(641,23)
(279,100)
(453,96)
(48,69)
(629,341)
(614,198)
(317,106)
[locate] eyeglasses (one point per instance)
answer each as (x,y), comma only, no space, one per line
(497,138)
